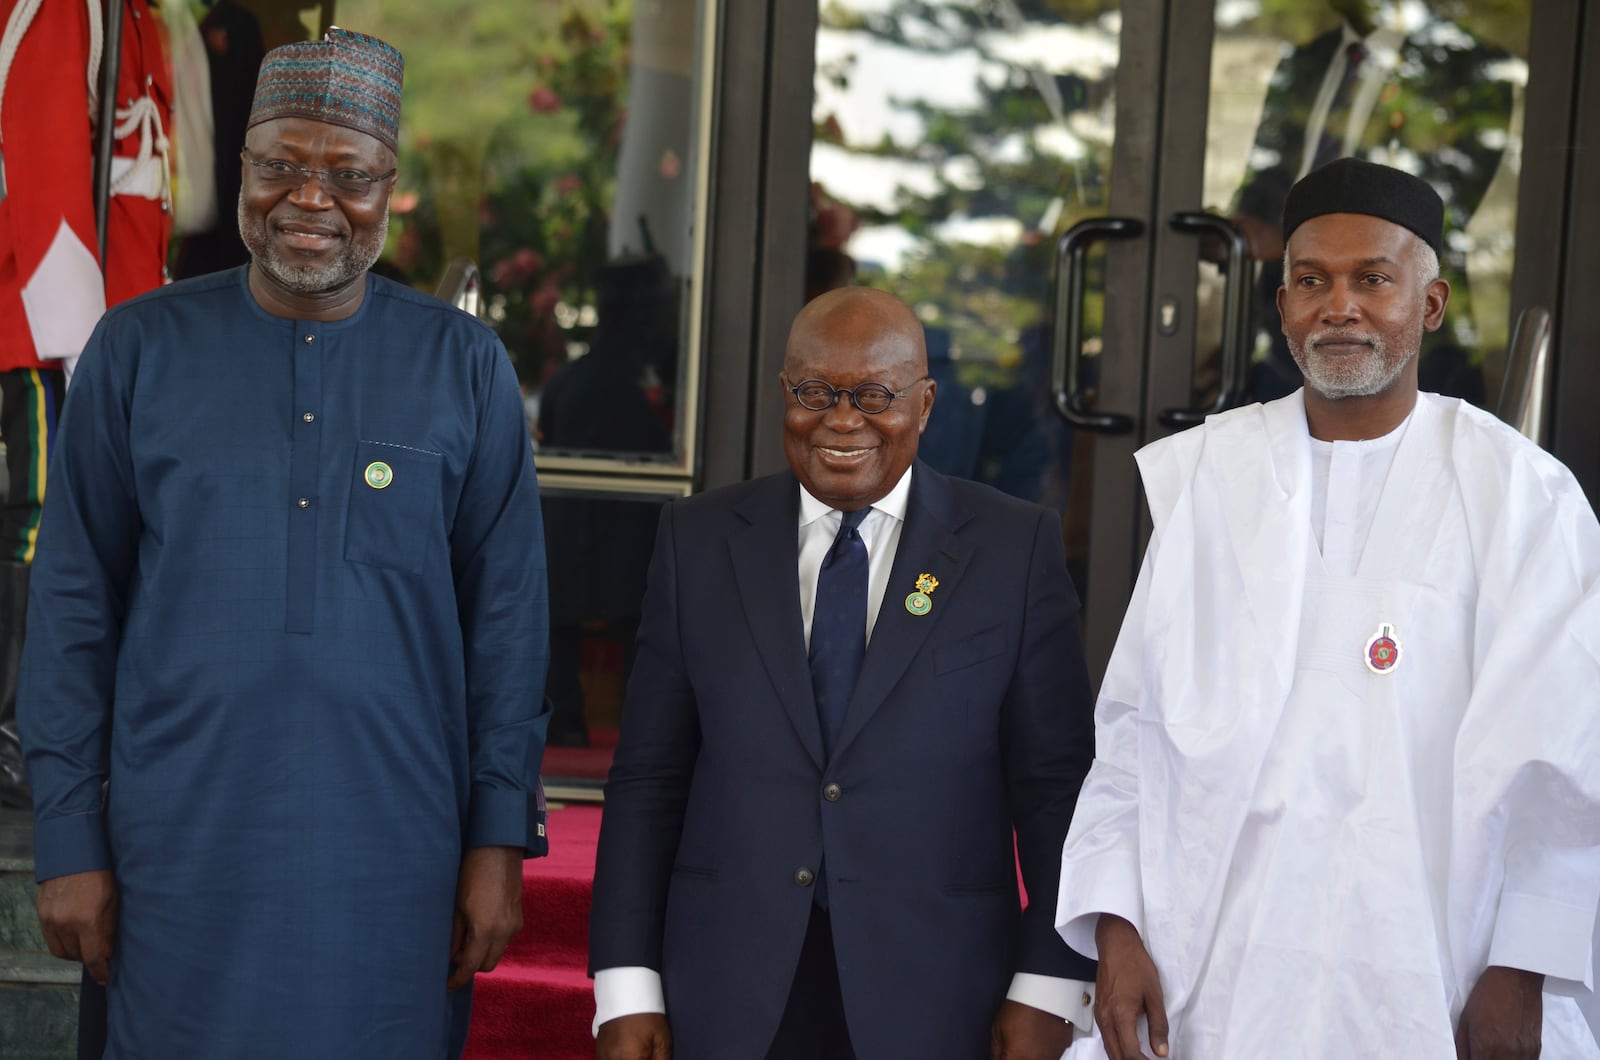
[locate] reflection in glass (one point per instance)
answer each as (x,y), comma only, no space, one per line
(953,143)
(598,403)
(236,35)
(599,548)
(553,144)
(1431,88)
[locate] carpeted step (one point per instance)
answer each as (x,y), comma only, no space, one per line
(557,891)
(590,763)
(555,918)
(539,1011)
(539,1001)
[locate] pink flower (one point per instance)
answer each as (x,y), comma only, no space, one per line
(518,269)
(568,183)
(543,100)
(408,249)
(544,300)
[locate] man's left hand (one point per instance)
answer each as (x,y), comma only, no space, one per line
(1504,1017)
(1022,1032)
(488,911)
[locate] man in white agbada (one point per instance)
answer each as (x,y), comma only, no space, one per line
(1347,795)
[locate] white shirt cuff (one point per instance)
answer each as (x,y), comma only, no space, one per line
(1535,934)
(626,992)
(1071,999)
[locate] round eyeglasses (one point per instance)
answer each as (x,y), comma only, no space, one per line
(871,398)
(277,174)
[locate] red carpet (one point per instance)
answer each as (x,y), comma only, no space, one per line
(582,763)
(539,1002)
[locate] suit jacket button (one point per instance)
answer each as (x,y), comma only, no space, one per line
(832,792)
(804,877)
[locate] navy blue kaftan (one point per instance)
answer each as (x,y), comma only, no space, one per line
(289,601)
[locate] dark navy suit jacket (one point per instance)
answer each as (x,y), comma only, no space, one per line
(967,722)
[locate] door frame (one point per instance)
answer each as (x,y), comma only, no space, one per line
(1575,438)
(1158,157)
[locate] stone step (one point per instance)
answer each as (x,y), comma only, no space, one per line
(19,926)
(39,1022)
(39,969)
(16,841)
(38,993)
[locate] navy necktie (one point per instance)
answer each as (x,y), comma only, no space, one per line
(839,626)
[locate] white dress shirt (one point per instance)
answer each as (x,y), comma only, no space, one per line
(1347,480)
(631,990)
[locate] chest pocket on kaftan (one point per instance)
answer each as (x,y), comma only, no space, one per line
(394,506)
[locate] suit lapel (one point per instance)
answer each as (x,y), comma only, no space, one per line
(764,555)
(928,544)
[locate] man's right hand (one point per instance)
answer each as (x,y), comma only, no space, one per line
(642,1036)
(78,916)
(1127,987)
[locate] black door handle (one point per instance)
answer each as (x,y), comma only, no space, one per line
(1235,314)
(1066,349)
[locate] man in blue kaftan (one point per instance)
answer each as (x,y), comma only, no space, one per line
(287,634)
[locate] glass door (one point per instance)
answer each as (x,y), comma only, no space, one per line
(1080,199)
(1438,89)
(563,147)
(956,144)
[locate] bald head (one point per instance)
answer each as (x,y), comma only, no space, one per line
(845,339)
(872,323)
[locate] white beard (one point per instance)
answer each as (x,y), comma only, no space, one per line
(1351,375)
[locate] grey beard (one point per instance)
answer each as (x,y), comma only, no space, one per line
(1375,372)
(357,257)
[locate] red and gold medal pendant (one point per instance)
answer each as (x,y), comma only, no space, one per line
(1383,650)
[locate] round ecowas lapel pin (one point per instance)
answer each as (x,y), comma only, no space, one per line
(378,475)
(920,602)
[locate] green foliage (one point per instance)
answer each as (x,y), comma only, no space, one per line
(512,121)
(990,160)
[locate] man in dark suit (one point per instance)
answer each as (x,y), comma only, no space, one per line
(853,681)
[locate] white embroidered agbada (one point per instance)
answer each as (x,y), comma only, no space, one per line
(1322,859)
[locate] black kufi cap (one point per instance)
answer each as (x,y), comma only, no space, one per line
(1349,185)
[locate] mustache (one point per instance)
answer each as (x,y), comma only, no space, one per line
(1326,335)
(311,221)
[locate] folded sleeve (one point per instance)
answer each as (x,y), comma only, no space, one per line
(88,544)
(497,557)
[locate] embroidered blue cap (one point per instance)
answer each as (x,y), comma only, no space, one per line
(346,78)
